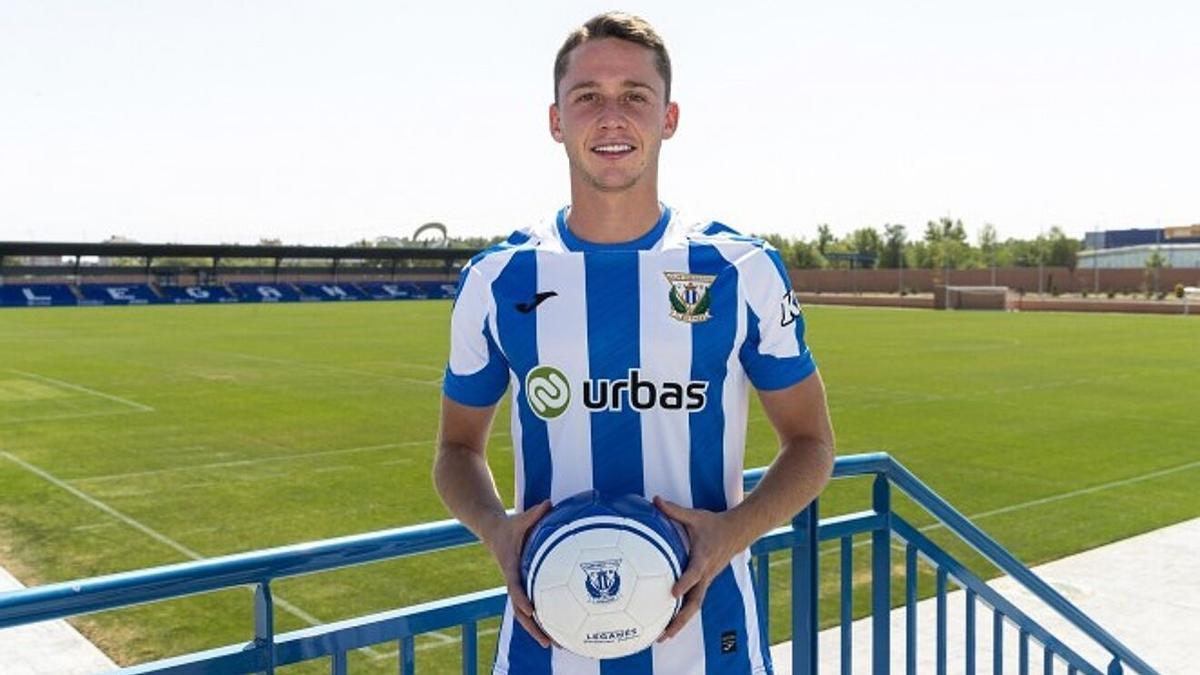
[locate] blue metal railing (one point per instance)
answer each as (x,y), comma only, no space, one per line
(269,650)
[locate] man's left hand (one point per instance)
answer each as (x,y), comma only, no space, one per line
(714,542)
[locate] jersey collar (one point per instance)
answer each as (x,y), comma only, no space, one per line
(642,243)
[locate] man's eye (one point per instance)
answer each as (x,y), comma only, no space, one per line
(585,98)
(635,97)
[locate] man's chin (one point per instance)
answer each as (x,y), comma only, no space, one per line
(612,184)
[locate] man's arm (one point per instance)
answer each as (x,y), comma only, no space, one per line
(466,485)
(800,471)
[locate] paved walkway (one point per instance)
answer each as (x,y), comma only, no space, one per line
(1144,590)
(47,648)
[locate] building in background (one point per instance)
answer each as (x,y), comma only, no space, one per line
(1114,249)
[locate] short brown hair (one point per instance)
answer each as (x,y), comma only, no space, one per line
(621,26)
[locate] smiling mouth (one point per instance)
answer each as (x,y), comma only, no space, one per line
(613,149)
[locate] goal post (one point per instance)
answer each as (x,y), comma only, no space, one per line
(972,297)
(1191,296)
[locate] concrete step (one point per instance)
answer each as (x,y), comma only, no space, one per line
(1145,591)
(46,648)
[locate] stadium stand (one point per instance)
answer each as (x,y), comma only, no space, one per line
(188,295)
(334,292)
(123,294)
(37,295)
(100,273)
(46,295)
(251,292)
(434,290)
(388,291)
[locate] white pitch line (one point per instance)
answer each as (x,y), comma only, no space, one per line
(68,416)
(336,369)
(1083,491)
(150,532)
(76,387)
(264,460)
(153,534)
(1035,502)
(245,462)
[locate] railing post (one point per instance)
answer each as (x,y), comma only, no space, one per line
(881,577)
(847,605)
(941,620)
(408,655)
(763,589)
(910,609)
(470,654)
(970,648)
(804,590)
(264,624)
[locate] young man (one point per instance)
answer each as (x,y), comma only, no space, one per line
(631,337)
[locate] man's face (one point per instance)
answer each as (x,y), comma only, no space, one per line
(612,114)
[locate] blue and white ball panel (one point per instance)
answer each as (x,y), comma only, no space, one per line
(602,587)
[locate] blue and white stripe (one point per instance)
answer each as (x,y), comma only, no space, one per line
(611,314)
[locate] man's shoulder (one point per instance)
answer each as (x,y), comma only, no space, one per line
(495,256)
(726,237)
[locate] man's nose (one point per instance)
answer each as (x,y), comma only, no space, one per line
(612,117)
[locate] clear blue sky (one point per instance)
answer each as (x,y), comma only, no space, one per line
(326,122)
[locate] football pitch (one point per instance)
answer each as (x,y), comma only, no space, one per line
(139,436)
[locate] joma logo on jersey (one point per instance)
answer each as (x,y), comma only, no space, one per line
(548,393)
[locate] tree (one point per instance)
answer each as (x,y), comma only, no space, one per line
(1061,250)
(824,238)
(806,256)
(988,243)
(946,245)
(944,229)
(1154,265)
(894,239)
(866,241)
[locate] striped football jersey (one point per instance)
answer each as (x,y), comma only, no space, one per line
(630,366)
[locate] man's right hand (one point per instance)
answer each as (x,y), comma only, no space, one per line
(506,541)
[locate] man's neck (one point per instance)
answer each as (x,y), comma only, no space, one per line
(613,217)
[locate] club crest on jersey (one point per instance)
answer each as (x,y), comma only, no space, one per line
(691,296)
(602,581)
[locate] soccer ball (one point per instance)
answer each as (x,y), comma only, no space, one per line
(599,571)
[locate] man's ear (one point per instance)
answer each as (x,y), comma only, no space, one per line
(672,120)
(555,123)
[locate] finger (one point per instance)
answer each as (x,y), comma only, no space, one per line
(673,510)
(540,510)
(535,631)
(520,601)
(692,576)
(523,612)
(528,518)
(690,607)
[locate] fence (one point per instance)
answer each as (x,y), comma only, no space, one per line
(1031,280)
(801,539)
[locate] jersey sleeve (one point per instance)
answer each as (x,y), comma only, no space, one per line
(774,353)
(477,372)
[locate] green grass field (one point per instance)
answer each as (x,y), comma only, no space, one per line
(133,437)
